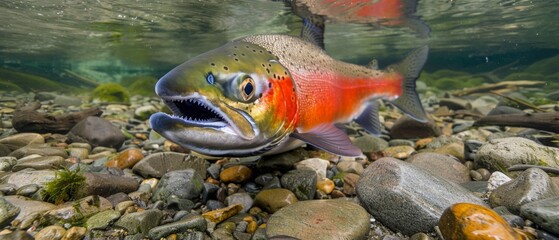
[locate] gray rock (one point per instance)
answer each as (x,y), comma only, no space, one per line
(282,161)
(22,178)
(350,167)
(318,165)
(531,185)
(454,103)
(6,163)
(144,112)
(505,110)
(301,182)
(107,184)
(185,184)
(157,164)
(4,151)
(8,212)
(442,165)
(401,142)
(320,219)
(40,150)
(7,189)
(191,222)
(240,198)
(27,190)
(78,210)
(500,154)
(97,132)
(29,208)
(369,143)
(102,219)
(407,198)
(407,128)
(17,234)
(22,139)
(140,222)
(544,212)
(40,163)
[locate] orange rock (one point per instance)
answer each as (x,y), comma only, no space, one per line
(326,185)
(400,152)
(220,215)
(237,174)
(466,221)
(422,143)
(126,159)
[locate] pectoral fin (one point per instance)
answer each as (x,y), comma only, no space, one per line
(331,139)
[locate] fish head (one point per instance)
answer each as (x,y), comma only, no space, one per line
(236,100)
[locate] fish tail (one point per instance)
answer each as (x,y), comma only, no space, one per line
(411,67)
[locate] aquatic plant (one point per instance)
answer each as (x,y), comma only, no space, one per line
(27,81)
(64,187)
(111,92)
(141,85)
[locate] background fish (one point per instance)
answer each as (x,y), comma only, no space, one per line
(250,96)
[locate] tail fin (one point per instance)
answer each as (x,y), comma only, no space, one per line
(411,67)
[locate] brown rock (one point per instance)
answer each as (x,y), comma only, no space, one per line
(406,128)
(326,185)
(350,183)
(50,233)
(466,221)
(400,152)
(274,199)
(75,233)
(237,174)
(220,215)
(422,143)
(455,149)
(126,159)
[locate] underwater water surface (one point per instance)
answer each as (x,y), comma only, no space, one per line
(108,41)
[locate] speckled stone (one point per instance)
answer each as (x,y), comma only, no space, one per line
(8,212)
(442,165)
(157,164)
(75,233)
(140,222)
(220,215)
(500,154)
(320,219)
(544,212)
(400,152)
(301,182)
(102,219)
(350,167)
(77,210)
(190,222)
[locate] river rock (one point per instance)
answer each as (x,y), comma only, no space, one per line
(102,219)
(40,163)
(190,222)
(140,222)
(406,128)
(97,132)
(301,182)
(6,163)
(350,167)
(185,184)
(157,164)
(400,152)
(29,208)
(531,185)
(320,219)
(318,165)
(500,154)
(369,143)
(544,212)
(466,221)
(220,215)
(273,199)
(441,165)
(407,198)
(22,178)
(40,150)
(51,233)
(22,139)
(126,159)
(243,199)
(78,210)
(8,212)
(75,233)
(236,174)
(107,184)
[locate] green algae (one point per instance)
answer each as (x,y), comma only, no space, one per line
(141,85)
(111,92)
(64,187)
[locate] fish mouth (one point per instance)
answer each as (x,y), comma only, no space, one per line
(197,112)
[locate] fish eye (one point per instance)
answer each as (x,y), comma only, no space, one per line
(210,78)
(247,88)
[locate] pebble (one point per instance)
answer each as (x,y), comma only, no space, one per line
(188,223)
(350,167)
(500,154)
(243,199)
(441,165)
(75,233)
(236,174)
(140,222)
(466,221)
(274,199)
(407,128)
(8,212)
(400,152)
(102,219)
(407,198)
(544,213)
(107,184)
(455,149)
(40,150)
(369,143)
(22,139)
(326,186)
(78,210)
(40,163)
(301,182)
(220,215)
(97,132)
(320,219)
(318,165)
(185,184)
(126,159)
(50,233)
(531,185)
(22,178)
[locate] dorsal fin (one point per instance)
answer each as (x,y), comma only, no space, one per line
(313,30)
(331,139)
(373,64)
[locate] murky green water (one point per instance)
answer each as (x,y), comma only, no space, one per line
(110,41)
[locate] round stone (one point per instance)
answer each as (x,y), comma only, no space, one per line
(274,199)
(126,159)
(237,174)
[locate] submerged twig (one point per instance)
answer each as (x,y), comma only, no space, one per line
(519,102)
(548,121)
(499,86)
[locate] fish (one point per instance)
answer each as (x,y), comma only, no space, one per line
(266,94)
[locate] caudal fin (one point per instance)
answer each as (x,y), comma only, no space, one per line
(411,67)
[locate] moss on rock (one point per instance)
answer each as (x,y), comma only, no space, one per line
(111,92)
